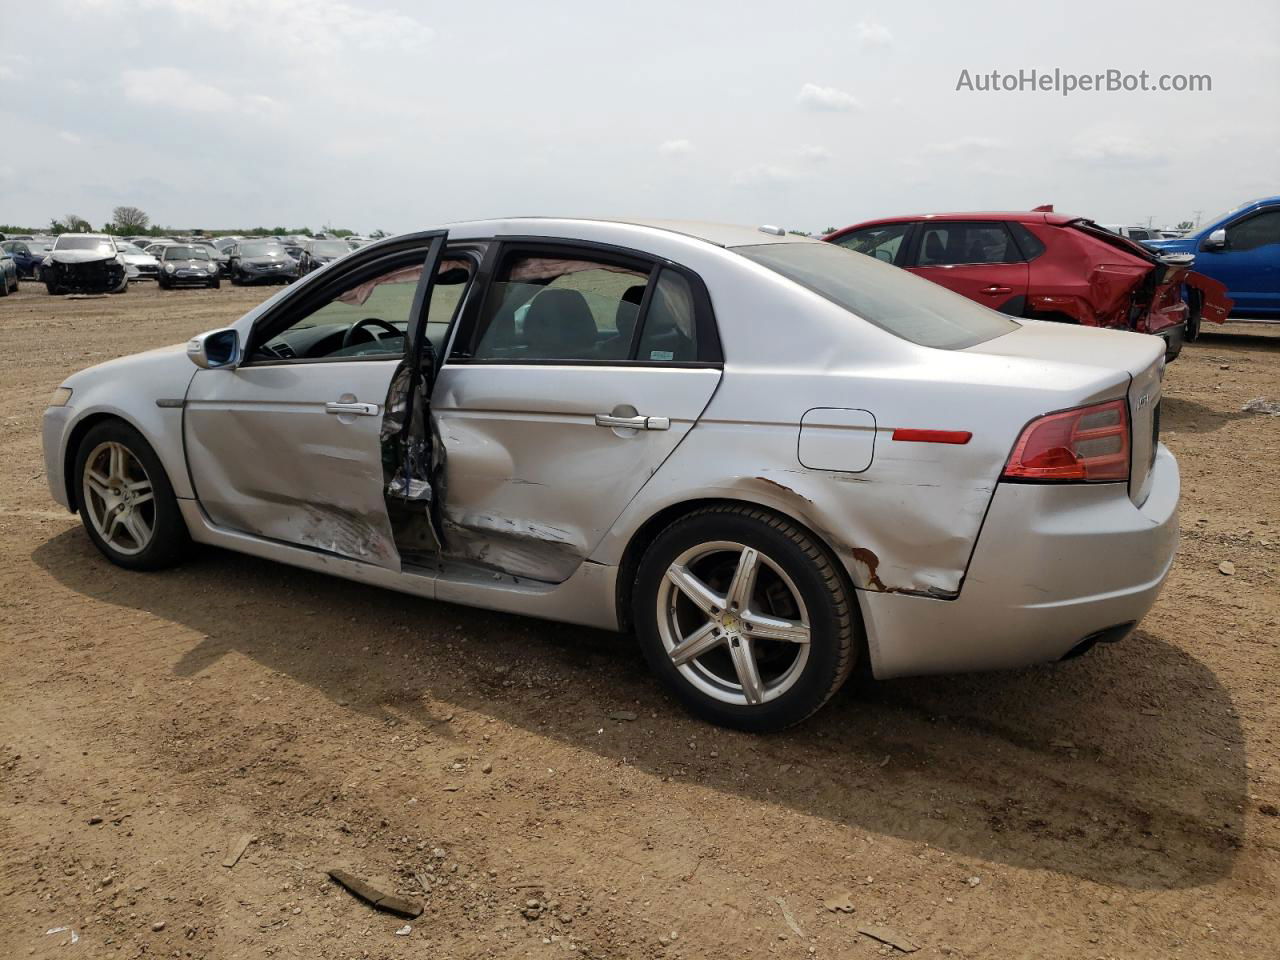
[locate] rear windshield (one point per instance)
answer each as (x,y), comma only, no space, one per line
(887,296)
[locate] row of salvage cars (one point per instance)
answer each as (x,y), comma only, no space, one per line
(772,458)
(99,263)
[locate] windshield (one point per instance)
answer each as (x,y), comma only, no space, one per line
(101,244)
(186,253)
(891,298)
(330,248)
(261,248)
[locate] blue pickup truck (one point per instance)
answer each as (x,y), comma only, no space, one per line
(1241,249)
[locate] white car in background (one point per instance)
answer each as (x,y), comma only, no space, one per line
(770,457)
(141,265)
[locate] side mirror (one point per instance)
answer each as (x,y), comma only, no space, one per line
(1217,240)
(215,350)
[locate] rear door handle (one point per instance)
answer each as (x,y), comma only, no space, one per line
(994,290)
(351,409)
(633,423)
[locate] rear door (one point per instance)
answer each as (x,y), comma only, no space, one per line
(577,373)
(976,258)
(1249,264)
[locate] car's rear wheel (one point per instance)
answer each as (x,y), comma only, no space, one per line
(125,500)
(745,617)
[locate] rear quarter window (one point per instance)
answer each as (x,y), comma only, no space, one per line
(888,297)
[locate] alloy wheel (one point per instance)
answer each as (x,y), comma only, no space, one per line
(733,623)
(118,498)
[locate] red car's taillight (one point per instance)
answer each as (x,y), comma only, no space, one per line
(1087,444)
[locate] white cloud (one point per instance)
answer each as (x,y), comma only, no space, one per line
(763,174)
(169,85)
(68,137)
(6,73)
(872,34)
(968,144)
(299,28)
(826,98)
(1117,150)
(814,153)
(674,148)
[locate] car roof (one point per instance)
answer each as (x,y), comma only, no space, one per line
(719,234)
(1019,216)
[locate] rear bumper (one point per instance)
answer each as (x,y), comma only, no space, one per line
(1054,566)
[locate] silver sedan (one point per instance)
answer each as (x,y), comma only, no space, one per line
(768,457)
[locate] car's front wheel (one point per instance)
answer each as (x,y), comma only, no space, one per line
(125,500)
(745,617)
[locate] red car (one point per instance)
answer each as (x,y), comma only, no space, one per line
(1047,266)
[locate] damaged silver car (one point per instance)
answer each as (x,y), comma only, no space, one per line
(769,457)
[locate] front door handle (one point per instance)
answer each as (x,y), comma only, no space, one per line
(351,409)
(633,423)
(996,290)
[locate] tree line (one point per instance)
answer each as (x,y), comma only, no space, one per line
(129,221)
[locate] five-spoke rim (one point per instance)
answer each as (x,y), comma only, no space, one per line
(733,623)
(118,498)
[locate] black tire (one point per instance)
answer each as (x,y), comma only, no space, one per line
(215,283)
(169,540)
(235,279)
(4,287)
(834,624)
(1191,329)
(52,288)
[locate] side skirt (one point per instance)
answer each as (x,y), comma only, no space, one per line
(586,598)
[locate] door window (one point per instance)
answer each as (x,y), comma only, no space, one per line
(952,244)
(1256,231)
(368,320)
(670,332)
(882,242)
(542,308)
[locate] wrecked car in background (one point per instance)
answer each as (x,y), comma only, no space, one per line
(84,263)
(1047,266)
(260,261)
(317,253)
(768,456)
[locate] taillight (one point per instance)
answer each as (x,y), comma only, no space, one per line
(1087,444)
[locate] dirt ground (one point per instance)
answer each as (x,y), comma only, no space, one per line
(1121,805)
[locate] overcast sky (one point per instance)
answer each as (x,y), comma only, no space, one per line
(400,115)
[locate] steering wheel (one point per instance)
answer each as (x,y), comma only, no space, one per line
(349,337)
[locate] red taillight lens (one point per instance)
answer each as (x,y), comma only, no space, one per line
(1087,444)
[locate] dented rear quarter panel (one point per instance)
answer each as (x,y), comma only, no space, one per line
(909,521)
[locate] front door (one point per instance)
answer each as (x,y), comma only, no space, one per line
(1249,264)
(578,375)
(288,445)
(977,259)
